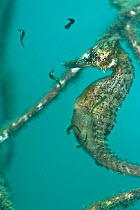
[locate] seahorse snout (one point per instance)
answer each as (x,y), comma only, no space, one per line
(81,63)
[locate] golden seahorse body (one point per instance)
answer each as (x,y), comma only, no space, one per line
(95,109)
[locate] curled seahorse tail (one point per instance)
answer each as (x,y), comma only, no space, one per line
(106,158)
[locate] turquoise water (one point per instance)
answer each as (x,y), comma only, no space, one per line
(46,170)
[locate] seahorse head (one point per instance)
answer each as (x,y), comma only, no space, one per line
(103,56)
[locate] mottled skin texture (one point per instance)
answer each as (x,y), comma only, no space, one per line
(95,109)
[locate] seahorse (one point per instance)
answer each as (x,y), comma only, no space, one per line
(95,109)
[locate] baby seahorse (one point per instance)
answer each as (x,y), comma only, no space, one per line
(95,109)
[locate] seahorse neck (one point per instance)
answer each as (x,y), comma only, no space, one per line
(123,75)
(124,66)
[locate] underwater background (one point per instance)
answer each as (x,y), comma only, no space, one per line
(46,171)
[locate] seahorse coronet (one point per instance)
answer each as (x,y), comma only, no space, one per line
(95,109)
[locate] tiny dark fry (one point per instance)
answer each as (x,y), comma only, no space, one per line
(22,36)
(70,23)
(55,78)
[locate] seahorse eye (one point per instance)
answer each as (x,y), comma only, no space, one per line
(91,56)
